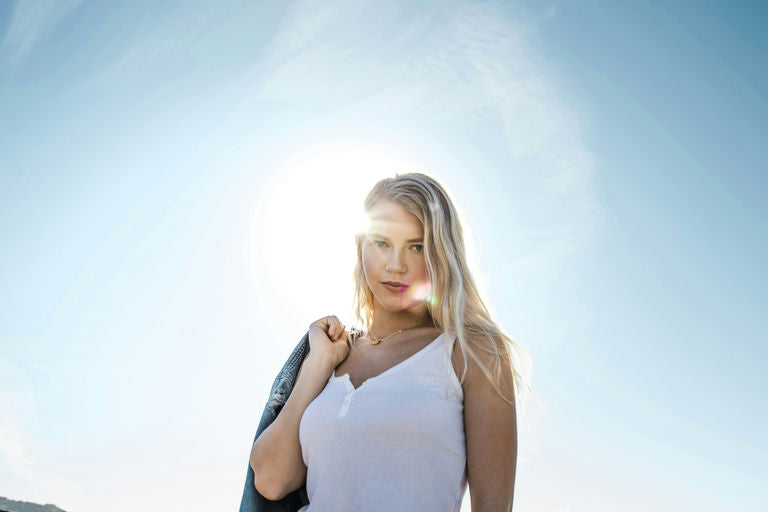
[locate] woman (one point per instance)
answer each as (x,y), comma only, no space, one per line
(401,413)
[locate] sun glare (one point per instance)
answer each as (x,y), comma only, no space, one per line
(310,218)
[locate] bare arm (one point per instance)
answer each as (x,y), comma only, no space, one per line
(276,459)
(491,433)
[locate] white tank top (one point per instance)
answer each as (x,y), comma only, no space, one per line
(395,443)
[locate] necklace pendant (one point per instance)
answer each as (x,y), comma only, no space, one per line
(375,342)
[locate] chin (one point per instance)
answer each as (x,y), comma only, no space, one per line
(401,305)
(394,303)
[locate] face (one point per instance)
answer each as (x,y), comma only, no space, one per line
(393,250)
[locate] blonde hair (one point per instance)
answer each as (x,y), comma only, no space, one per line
(454,304)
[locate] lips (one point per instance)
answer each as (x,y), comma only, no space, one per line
(395,287)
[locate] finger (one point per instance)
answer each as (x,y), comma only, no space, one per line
(324,325)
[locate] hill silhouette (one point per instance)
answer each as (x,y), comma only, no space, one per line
(8,505)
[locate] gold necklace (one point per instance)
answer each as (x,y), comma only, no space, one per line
(376,341)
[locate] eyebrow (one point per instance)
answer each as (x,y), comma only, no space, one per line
(407,241)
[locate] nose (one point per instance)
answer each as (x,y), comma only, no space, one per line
(395,263)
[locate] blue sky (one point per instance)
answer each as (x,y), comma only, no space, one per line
(168,174)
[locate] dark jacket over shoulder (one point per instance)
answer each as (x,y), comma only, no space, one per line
(252,500)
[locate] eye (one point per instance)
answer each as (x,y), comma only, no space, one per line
(421,247)
(377,242)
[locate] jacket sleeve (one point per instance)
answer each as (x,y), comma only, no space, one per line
(252,500)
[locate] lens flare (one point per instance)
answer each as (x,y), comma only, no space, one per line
(424,292)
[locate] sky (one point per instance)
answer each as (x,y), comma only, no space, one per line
(180,181)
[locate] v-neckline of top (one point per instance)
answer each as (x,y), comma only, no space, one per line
(345,377)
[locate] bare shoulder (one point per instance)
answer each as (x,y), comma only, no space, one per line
(473,371)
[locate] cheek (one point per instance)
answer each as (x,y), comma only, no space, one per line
(369,261)
(418,263)
(372,257)
(421,269)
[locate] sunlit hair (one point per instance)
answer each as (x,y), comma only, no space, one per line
(454,301)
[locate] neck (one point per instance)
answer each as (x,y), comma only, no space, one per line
(386,322)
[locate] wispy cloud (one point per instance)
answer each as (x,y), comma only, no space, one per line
(30,23)
(463,65)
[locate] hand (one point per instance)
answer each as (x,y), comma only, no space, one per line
(328,341)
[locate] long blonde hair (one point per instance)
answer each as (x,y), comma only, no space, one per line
(454,303)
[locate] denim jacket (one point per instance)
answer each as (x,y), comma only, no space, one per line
(252,500)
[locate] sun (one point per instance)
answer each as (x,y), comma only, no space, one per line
(312,212)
